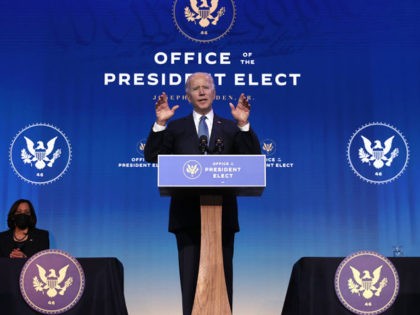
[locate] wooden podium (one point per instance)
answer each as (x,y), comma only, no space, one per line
(211,176)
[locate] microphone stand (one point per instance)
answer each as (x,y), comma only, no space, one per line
(219,146)
(203,144)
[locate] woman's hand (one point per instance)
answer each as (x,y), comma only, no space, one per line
(17,253)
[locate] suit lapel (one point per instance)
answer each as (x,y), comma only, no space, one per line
(190,126)
(191,135)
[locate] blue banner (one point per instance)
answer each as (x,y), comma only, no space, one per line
(335,94)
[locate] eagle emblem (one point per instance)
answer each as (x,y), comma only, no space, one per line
(51,282)
(204,12)
(39,153)
(268,147)
(192,169)
(366,283)
(377,152)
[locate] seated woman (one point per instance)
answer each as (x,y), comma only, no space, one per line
(23,239)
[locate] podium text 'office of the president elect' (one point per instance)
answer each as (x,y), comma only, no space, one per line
(211,176)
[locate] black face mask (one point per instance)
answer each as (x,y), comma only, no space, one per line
(22,221)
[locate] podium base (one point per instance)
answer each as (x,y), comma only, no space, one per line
(211,294)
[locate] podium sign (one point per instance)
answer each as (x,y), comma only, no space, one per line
(240,174)
(211,177)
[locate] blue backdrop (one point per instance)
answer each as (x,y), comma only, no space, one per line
(320,75)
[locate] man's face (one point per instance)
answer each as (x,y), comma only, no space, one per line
(201,93)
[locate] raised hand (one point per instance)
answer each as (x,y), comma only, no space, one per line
(241,112)
(163,111)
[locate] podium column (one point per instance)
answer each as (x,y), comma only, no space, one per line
(211,294)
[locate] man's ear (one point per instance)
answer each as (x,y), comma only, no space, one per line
(214,94)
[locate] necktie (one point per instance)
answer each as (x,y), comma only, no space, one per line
(203,130)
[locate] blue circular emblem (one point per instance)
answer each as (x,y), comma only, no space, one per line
(366,283)
(52,282)
(204,20)
(378,153)
(40,154)
(192,169)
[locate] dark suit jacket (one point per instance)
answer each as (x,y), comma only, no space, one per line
(37,241)
(180,137)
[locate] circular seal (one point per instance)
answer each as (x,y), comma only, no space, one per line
(366,283)
(201,22)
(192,169)
(268,147)
(40,154)
(140,147)
(52,282)
(378,153)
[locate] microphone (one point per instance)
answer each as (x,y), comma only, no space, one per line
(203,144)
(219,145)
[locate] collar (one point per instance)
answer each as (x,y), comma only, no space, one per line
(209,115)
(209,120)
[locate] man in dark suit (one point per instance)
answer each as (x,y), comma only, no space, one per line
(186,136)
